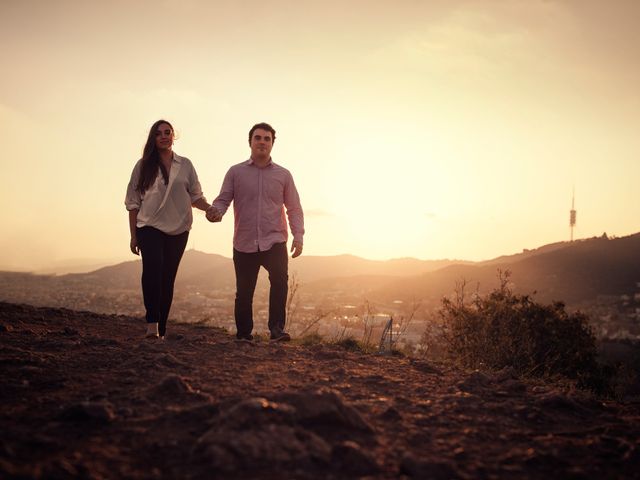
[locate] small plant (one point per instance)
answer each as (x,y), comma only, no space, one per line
(350,344)
(353,345)
(367,323)
(292,298)
(312,339)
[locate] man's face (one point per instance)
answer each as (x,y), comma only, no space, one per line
(261,143)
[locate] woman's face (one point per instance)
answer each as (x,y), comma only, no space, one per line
(164,137)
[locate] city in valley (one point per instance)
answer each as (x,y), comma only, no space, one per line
(349,297)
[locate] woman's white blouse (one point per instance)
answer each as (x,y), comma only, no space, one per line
(166,207)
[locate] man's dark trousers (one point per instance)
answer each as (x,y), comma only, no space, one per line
(247,265)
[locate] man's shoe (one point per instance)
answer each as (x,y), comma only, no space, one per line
(244,338)
(280,337)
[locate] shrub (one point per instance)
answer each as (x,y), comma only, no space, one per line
(311,339)
(352,345)
(502,329)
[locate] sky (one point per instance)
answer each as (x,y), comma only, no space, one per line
(429,129)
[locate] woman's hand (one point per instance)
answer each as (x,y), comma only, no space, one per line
(133,245)
(213,215)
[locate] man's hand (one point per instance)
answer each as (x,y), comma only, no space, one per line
(133,245)
(213,215)
(296,248)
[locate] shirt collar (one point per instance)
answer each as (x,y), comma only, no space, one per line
(251,162)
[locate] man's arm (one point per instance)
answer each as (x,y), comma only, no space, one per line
(295,216)
(220,205)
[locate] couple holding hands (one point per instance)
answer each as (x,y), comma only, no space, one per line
(161,193)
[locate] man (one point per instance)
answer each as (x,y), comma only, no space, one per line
(260,191)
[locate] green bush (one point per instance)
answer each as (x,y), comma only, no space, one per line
(502,329)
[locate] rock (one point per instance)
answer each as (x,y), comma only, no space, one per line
(279,350)
(174,389)
(175,337)
(259,432)
(351,459)
(323,353)
(474,382)
(549,459)
(391,414)
(432,470)
(169,360)
(507,373)
(173,385)
(257,411)
(100,412)
(514,386)
(324,407)
(125,412)
(557,401)
(425,367)
(339,371)
(267,446)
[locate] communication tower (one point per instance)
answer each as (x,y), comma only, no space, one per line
(572,213)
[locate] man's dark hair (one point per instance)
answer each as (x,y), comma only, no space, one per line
(263,126)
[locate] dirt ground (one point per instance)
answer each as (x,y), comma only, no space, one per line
(86,396)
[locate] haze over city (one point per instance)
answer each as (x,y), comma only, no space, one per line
(441,129)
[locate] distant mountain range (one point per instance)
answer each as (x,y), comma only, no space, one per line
(212,270)
(573,272)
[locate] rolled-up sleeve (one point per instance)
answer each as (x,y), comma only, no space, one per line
(133,199)
(225,197)
(294,209)
(195,189)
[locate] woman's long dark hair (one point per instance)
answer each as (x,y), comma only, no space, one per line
(151,160)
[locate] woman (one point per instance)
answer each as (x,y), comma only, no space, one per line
(163,188)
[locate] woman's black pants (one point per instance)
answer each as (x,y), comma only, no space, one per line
(161,254)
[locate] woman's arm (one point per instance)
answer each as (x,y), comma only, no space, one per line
(133,219)
(201,204)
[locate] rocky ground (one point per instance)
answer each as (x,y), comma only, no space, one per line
(85,396)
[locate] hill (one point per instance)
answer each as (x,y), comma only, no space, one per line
(209,270)
(572,272)
(84,396)
(595,275)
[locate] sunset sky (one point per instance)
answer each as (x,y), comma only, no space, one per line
(429,129)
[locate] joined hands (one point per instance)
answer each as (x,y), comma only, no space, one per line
(213,215)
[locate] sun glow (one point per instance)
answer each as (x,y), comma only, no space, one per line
(426,129)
